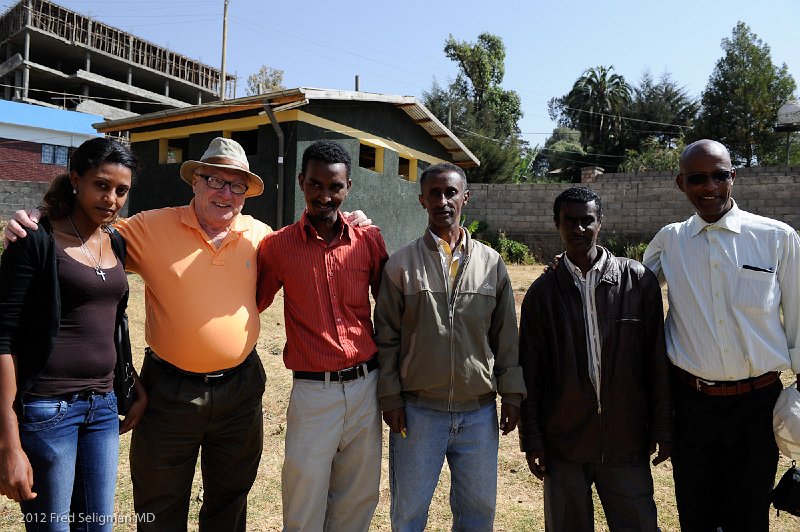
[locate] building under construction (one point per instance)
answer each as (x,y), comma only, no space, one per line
(50,55)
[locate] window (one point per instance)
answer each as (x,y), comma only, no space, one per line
(58,155)
(173,151)
(403,167)
(248,140)
(407,168)
(370,157)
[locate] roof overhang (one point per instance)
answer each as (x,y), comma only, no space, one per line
(292,98)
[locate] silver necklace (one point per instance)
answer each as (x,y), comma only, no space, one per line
(88,253)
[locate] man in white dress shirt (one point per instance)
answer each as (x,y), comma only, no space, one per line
(729,274)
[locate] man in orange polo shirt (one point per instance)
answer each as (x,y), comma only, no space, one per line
(202,373)
(202,324)
(326,267)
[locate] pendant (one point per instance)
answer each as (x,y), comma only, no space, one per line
(100,272)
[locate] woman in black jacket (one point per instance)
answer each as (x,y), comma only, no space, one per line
(63,292)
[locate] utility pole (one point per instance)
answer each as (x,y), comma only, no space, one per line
(224,46)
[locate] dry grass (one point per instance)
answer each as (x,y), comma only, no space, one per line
(519,499)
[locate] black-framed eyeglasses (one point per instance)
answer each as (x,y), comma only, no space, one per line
(700,178)
(218,184)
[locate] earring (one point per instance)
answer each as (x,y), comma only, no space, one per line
(74,191)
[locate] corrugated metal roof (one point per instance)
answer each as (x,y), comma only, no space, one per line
(460,154)
(25,114)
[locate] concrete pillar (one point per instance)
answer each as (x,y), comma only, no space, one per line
(7,80)
(26,53)
(589,174)
(26,69)
(17,84)
(166,87)
(88,62)
(130,76)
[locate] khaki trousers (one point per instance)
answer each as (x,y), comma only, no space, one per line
(331,471)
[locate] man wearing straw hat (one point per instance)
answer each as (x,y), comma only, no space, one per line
(201,369)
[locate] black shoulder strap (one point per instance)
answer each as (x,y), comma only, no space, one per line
(118,243)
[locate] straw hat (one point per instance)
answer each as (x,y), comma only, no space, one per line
(227,154)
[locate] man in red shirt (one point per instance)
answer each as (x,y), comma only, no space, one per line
(326,266)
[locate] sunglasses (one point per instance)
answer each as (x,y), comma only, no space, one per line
(700,178)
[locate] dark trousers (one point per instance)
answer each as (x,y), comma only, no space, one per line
(725,459)
(186,416)
(625,491)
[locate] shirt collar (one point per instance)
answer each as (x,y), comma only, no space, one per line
(310,230)
(598,265)
(189,218)
(459,246)
(731,220)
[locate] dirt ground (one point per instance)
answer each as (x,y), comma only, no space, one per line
(519,498)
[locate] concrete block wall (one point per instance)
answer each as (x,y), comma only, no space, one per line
(15,195)
(635,206)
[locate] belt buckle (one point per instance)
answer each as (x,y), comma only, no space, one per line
(346,374)
(208,378)
(700,381)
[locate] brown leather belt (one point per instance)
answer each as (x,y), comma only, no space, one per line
(726,388)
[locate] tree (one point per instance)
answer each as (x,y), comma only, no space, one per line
(562,154)
(482,63)
(267,79)
(653,156)
(483,114)
(741,101)
(594,106)
(659,110)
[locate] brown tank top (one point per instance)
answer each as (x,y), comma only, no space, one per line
(84,354)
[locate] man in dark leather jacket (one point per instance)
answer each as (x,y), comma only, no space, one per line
(594,360)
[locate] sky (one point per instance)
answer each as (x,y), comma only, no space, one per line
(397,47)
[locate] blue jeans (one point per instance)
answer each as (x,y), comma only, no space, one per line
(469,442)
(72,443)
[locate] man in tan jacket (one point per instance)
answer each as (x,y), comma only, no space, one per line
(446,332)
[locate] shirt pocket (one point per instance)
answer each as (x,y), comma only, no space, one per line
(755,291)
(354,289)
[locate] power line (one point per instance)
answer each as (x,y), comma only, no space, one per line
(259,31)
(334,38)
(626,118)
(81,96)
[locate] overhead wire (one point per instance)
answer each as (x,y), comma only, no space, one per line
(262,31)
(249,26)
(81,96)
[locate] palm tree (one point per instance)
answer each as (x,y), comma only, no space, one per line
(596,104)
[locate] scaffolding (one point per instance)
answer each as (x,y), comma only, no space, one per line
(75,28)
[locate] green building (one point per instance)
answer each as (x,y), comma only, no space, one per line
(391,140)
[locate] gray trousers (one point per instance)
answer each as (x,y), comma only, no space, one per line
(185,417)
(625,490)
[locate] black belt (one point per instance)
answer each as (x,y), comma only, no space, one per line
(343,375)
(208,378)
